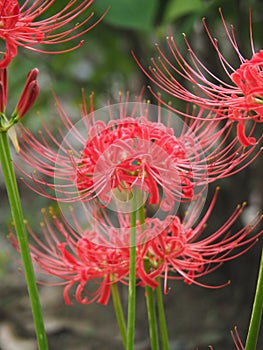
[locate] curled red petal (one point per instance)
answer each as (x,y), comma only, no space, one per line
(244,140)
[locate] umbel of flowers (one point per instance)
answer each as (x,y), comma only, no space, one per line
(127,144)
(239,99)
(178,252)
(25,26)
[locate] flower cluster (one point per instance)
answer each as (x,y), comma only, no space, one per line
(131,149)
(178,252)
(102,162)
(24,25)
(238,102)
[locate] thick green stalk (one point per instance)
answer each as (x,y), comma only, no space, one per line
(15,204)
(256,315)
(152,320)
(119,313)
(162,318)
(132,279)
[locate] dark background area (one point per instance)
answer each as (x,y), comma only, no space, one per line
(197,317)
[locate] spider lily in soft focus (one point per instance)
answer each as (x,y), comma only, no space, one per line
(25,26)
(129,149)
(239,100)
(177,252)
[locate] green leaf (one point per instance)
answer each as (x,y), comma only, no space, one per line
(129,14)
(179,8)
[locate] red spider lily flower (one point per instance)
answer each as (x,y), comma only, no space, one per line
(21,25)
(91,268)
(105,159)
(75,258)
(179,252)
(239,102)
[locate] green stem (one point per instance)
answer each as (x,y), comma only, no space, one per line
(162,318)
(256,315)
(119,313)
(16,209)
(152,318)
(132,279)
(141,216)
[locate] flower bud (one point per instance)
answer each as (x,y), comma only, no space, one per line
(29,94)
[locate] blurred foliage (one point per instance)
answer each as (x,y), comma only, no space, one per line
(127,14)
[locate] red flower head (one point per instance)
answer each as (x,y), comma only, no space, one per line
(92,260)
(74,257)
(240,101)
(113,151)
(179,252)
(19,25)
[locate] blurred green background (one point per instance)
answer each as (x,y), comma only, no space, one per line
(104,65)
